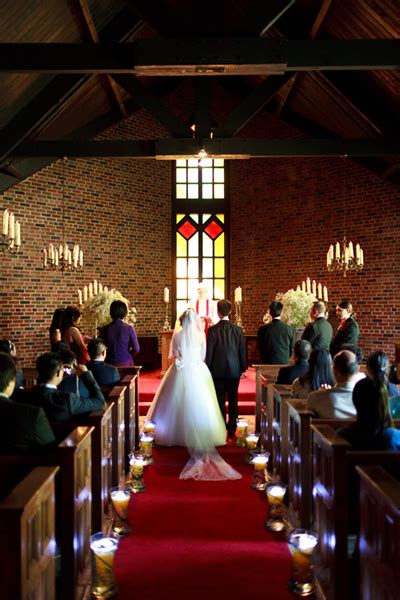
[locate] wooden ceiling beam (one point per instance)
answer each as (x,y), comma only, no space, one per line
(261,16)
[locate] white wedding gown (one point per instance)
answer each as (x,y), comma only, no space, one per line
(185,408)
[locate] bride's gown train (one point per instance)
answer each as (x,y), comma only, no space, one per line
(185,408)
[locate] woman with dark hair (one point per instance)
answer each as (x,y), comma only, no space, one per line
(71,334)
(373,429)
(348,331)
(319,374)
(119,337)
(55,328)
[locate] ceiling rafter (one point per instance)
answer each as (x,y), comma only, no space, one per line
(261,16)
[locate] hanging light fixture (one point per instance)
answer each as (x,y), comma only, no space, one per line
(342,256)
(11,233)
(60,256)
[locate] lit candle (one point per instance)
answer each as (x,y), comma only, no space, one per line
(314,287)
(308,282)
(252,440)
(17,233)
(166,295)
(120,500)
(69,257)
(80,297)
(351,250)
(106,289)
(298,289)
(81,258)
(361,256)
(149,427)
(44,257)
(337,250)
(346,256)
(238,294)
(52,255)
(104,551)
(137,467)
(260,462)
(303,286)
(100,288)
(275,494)
(12,226)
(56,257)
(325,294)
(5,222)
(146,446)
(66,251)
(90,290)
(319,291)
(358,253)
(85,293)
(95,287)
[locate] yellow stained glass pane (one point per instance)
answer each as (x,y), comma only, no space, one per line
(207,245)
(181,267)
(219,175)
(207,176)
(221,217)
(219,289)
(219,245)
(205,217)
(219,190)
(206,162)
(193,190)
(193,244)
(207,267)
(193,162)
(195,218)
(181,190)
(193,175)
(219,267)
(192,288)
(218,162)
(181,162)
(181,288)
(193,267)
(179,217)
(207,190)
(181,245)
(181,176)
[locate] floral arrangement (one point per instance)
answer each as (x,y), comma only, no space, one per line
(97,308)
(296,307)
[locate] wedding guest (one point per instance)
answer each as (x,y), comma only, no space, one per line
(373,429)
(26,428)
(119,337)
(71,382)
(275,340)
(71,334)
(348,331)
(8,347)
(301,354)
(359,357)
(337,402)
(59,405)
(103,373)
(320,373)
(319,332)
(55,328)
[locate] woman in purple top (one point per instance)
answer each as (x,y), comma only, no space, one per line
(119,337)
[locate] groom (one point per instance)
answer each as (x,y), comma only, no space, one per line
(226,359)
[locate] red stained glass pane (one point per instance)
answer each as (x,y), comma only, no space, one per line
(187,229)
(213,230)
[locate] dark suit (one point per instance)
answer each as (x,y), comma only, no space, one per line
(288,374)
(62,406)
(104,374)
(26,428)
(226,359)
(346,334)
(275,342)
(319,334)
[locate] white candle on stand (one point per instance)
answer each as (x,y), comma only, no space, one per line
(308,286)
(85,293)
(12,226)
(81,258)
(166,295)
(319,291)
(314,287)
(238,294)
(45,257)
(100,288)
(95,287)
(90,290)
(17,233)
(325,294)
(80,297)
(303,286)
(5,222)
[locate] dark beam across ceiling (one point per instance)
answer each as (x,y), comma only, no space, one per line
(222,56)
(229,148)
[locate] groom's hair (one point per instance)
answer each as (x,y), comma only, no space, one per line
(224,307)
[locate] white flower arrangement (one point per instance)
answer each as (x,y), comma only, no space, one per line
(296,307)
(97,308)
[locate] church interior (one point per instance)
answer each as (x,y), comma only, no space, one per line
(173,142)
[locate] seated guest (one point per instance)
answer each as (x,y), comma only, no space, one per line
(301,354)
(337,402)
(359,357)
(119,337)
(8,347)
(70,381)
(26,428)
(319,374)
(58,405)
(104,374)
(71,334)
(348,331)
(55,328)
(373,429)
(275,340)
(319,332)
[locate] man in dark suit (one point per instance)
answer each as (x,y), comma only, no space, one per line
(348,331)
(301,353)
(226,359)
(59,405)
(26,428)
(103,373)
(275,340)
(319,333)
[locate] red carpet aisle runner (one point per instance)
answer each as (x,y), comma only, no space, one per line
(149,383)
(199,540)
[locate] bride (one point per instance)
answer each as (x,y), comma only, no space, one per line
(185,407)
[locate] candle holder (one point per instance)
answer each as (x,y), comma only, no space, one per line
(146,447)
(149,427)
(120,497)
(166,326)
(251,443)
(238,313)
(242,426)
(8,245)
(260,475)
(275,494)
(302,544)
(103,551)
(137,464)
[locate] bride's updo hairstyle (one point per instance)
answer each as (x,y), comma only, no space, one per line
(188,316)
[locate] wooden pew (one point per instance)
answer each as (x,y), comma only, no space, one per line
(379,539)
(277,396)
(270,373)
(116,396)
(131,415)
(334,509)
(27,531)
(30,376)
(73,506)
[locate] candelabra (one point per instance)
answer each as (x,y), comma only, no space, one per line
(238,313)
(10,240)
(342,257)
(62,258)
